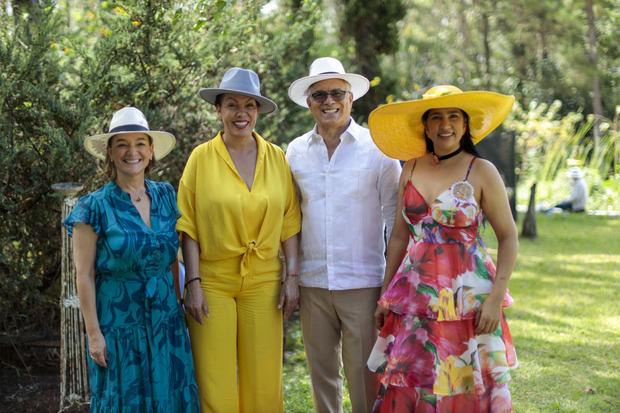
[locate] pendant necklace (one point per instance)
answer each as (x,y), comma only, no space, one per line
(436,158)
(139,197)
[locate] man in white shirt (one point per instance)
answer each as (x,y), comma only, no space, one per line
(348,194)
(578,195)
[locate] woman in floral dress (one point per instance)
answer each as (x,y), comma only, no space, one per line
(444,345)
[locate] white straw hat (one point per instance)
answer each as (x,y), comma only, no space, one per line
(325,68)
(129,120)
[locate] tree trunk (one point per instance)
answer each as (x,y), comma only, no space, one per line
(529,223)
(487,50)
(597,105)
(465,44)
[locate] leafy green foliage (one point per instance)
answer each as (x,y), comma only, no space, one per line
(547,143)
(66,70)
(40,128)
(536,50)
(371,26)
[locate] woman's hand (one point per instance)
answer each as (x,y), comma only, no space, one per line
(380,316)
(488,315)
(195,302)
(289,294)
(98,349)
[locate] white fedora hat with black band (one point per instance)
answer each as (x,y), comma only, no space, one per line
(325,68)
(129,120)
(243,82)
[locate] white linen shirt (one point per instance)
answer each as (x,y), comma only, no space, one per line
(346,203)
(579,195)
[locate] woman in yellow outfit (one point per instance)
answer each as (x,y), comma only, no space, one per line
(238,204)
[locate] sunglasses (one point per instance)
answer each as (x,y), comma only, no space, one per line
(320,96)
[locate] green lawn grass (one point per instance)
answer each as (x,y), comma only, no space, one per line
(565,322)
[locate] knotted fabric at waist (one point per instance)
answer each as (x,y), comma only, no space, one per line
(253,260)
(248,257)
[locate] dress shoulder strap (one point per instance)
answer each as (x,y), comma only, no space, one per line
(412,168)
(470,165)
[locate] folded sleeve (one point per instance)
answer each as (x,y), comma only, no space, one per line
(186,199)
(292,213)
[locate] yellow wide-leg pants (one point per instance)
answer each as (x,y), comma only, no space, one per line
(238,349)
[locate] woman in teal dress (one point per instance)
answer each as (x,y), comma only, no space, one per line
(124,243)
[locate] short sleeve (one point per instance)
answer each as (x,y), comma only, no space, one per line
(186,199)
(168,197)
(85,211)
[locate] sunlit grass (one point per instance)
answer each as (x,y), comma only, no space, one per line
(565,321)
(566,317)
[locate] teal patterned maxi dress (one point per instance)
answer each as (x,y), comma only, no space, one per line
(150,366)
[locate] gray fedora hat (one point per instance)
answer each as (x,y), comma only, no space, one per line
(241,81)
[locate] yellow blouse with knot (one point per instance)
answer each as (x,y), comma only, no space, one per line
(238,230)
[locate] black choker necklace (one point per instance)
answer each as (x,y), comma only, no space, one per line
(436,158)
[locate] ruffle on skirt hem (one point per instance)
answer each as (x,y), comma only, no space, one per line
(420,400)
(145,373)
(445,361)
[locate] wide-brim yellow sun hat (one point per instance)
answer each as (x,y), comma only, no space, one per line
(398,130)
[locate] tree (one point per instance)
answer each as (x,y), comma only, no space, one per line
(529,222)
(596,91)
(40,130)
(371,26)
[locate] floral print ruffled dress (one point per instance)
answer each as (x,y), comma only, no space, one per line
(427,353)
(150,367)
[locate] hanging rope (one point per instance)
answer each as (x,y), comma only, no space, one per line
(73,353)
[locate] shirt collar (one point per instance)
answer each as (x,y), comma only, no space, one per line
(352,131)
(118,192)
(222,151)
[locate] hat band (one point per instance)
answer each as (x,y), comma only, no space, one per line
(330,73)
(129,128)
